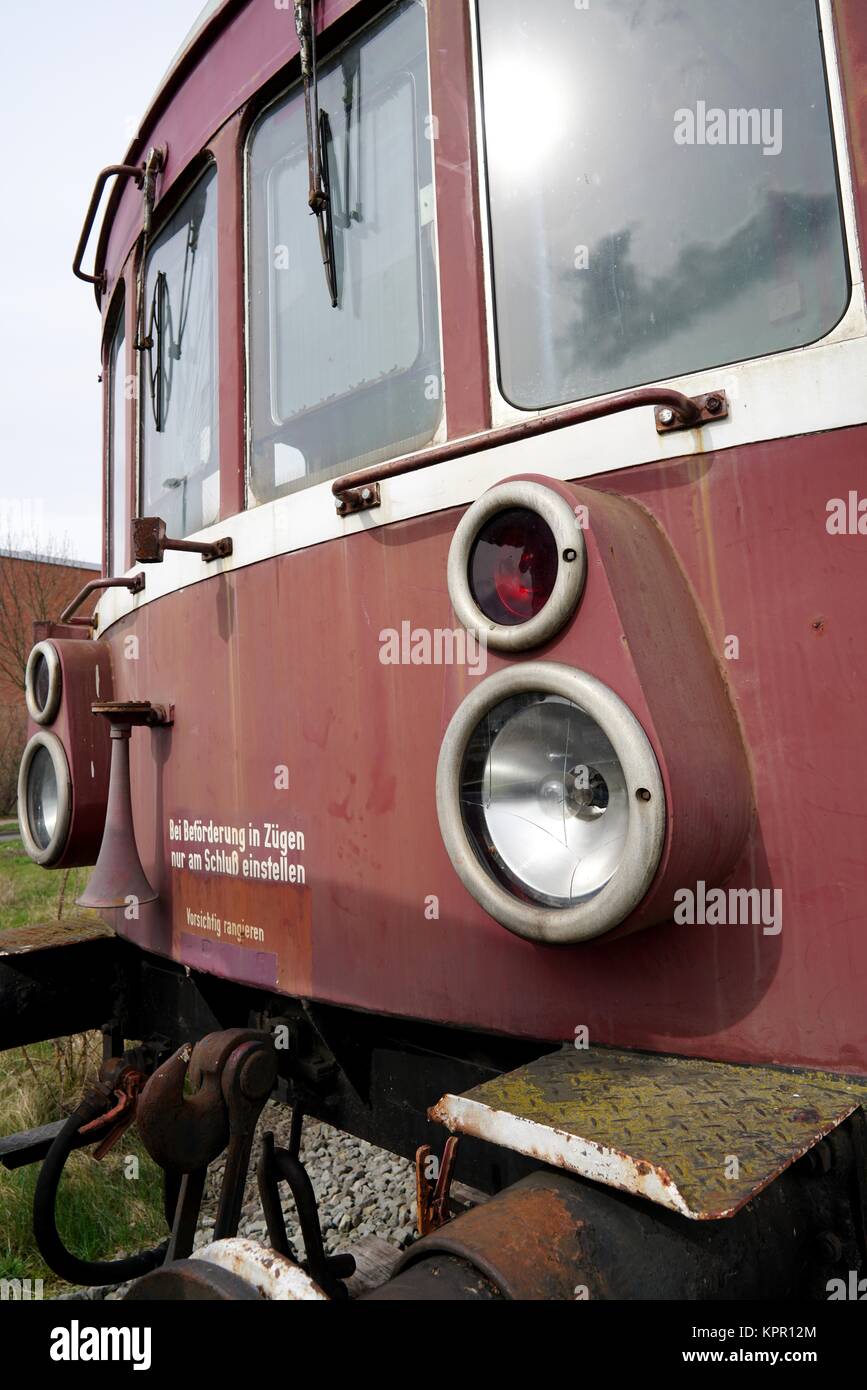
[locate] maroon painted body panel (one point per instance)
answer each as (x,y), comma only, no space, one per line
(277,665)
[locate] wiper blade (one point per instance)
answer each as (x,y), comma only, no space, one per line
(319,196)
(325,212)
(156,340)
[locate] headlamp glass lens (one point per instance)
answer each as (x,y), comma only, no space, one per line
(42,798)
(544,799)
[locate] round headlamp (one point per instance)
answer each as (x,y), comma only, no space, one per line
(551,803)
(44,798)
(42,683)
(517,565)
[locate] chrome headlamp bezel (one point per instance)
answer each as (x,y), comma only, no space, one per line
(571,573)
(645,835)
(47,652)
(50,853)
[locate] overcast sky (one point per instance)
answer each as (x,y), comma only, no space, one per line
(75,81)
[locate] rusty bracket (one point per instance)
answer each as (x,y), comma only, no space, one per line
(359,499)
(432,1199)
(150,543)
(134,712)
(712,406)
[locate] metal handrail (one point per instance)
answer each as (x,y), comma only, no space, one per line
(135,583)
(130,171)
(675,411)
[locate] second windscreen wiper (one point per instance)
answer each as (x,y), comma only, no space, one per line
(318,133)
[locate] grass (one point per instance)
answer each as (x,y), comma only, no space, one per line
(30,894)
(103,1208)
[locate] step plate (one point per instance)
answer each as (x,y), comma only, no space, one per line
(701,1138)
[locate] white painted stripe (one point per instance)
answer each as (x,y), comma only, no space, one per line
(801,392)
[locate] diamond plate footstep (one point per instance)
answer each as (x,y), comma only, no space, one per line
(701,1138)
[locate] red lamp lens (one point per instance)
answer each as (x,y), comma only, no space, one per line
(513,566)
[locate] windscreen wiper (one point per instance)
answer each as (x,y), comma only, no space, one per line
(319,197)
(154,347)
(161,342)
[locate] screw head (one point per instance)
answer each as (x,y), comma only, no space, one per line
(713,404)
(666,416)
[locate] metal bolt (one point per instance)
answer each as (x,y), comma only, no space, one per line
(570,555)
(643,794)
(713,404)
(341,506)
(366,494)
(666,416)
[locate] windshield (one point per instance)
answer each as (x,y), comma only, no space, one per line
(663,190)
(332,386)
(180,459)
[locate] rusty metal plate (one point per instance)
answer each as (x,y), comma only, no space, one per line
(46,936)
(701,1138)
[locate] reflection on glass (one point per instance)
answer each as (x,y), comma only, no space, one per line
(335,386)
(636,235)
(180,456)
(41,681)
(42,797)
(544,800)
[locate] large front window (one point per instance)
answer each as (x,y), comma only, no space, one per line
(180,479)
(663,189)
(333,386)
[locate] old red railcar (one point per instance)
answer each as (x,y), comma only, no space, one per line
(480,653)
